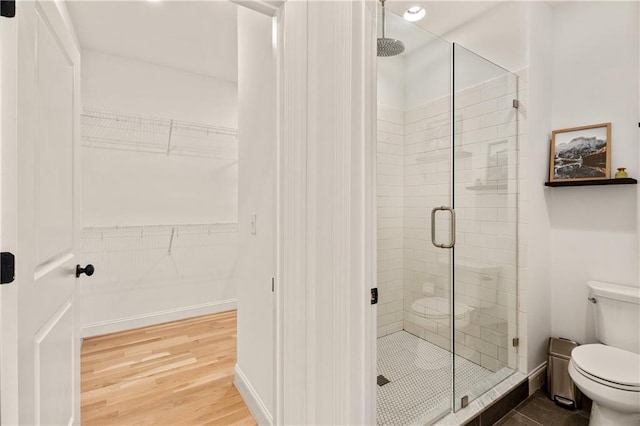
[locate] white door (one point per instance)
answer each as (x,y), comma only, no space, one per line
(45,205)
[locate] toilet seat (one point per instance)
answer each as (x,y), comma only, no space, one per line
(609,366)
(438,308)
(615,406)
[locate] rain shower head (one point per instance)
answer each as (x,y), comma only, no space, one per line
(388,46)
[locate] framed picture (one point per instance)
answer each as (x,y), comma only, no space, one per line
(581,153)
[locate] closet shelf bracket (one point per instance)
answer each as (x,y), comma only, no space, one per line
(169,139)
(173,231)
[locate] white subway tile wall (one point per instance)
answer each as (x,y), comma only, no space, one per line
(413,177)
(390,193)
(427,185)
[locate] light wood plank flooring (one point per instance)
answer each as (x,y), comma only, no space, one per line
(179,373)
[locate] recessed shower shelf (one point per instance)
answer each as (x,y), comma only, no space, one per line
(463,154)
(620,181)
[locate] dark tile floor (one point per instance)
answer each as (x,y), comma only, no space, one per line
(539,410)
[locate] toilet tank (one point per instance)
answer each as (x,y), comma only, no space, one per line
(477,285)
(617,314)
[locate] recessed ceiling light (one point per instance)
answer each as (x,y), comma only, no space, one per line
(415,13)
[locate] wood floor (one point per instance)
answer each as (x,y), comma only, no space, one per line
(180,373)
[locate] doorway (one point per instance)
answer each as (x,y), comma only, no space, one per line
(179,195)
(167,272)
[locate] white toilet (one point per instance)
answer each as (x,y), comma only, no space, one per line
(609,372)
(480,283)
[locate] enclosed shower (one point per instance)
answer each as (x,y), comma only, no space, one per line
(447,194)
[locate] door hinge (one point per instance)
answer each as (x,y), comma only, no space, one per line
(464,401)
(374,296)
(515,342)
(8,8)
(516,103)
(8,267)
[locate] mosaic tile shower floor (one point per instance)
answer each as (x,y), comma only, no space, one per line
(420,379)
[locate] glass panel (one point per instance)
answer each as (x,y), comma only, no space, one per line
(486,203)
(414,177)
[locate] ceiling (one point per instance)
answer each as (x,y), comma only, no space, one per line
(201,36)
(194,36)
(444,16)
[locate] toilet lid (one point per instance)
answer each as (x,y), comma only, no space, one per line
(608,363)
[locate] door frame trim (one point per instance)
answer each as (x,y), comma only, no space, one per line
(327,187)
(8,218)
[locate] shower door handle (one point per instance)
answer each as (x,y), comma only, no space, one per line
(452,240)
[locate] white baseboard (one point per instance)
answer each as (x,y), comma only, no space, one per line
(153,318)
(259,411)
(537,378)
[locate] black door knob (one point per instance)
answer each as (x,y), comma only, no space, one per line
(89,270)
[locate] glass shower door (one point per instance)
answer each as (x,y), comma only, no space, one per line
(427,223)
(413,178)
(485,197)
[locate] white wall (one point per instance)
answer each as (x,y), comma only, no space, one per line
(156,189)
(534,289)
(594,229)
(128,85)
(499,35)
(427,73)
(123,188)
(391,82)
(390,220)
(138,280)
(257,195)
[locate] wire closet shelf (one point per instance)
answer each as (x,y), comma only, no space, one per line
(142,231)
(153,232)
(127,132)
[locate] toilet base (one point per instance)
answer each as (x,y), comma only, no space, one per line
(604,416)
